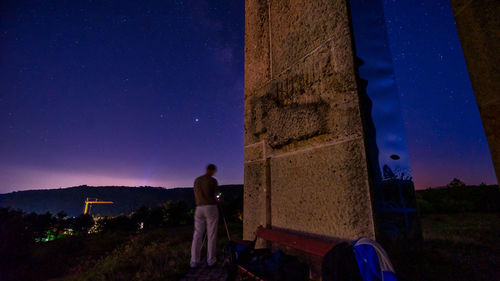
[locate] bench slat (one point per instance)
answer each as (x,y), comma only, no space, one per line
(310,245)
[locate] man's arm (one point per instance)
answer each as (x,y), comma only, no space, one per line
(216,189)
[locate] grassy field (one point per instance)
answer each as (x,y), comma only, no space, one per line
(456,247)
(161,254)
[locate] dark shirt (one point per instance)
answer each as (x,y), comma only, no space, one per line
(205,190)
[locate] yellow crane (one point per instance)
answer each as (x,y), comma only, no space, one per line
(93,201)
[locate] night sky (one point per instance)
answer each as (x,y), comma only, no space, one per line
(444,131)
(148,92)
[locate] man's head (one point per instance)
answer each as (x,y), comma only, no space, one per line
(211,169)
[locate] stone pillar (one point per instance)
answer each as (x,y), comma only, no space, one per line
(478,26)
(305,154)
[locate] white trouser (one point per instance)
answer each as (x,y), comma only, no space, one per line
(205,217)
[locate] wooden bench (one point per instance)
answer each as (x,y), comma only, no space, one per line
(307,248)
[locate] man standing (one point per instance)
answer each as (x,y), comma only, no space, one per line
(206,216)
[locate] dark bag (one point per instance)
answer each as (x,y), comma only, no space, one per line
(290,268)
(260,263)
(277,266)
(230,260)
(263,263)
(340,264)
(235,253)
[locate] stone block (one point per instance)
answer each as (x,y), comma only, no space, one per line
(298,27)
(254,208)
(295,122)
(345,121)
(327,74)
(302,102)
(257,53)
(254,152)
(323,191)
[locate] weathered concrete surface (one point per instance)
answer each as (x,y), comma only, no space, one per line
(478,26)
(305,156)
(255,196)
(325,197)
(298,27)
(257,54)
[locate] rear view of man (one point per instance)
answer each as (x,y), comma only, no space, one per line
(206,216)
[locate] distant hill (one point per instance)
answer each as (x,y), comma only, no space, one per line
(126,199)
(472,198)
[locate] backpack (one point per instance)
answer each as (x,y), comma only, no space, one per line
(372,260)
(339,264)
(263,263)
(233,254)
